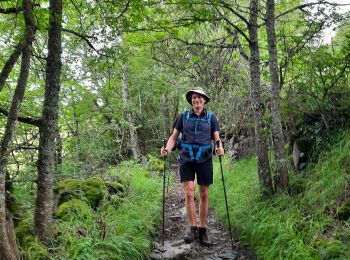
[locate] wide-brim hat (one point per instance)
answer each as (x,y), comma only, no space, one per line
(199,91)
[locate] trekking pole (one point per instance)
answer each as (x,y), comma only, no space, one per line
(169,172)
(217,143)
(164,145)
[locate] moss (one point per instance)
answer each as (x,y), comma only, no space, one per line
(31,247)
(76,208)
(115,187)
(343,211)
(92,189)
(68,190)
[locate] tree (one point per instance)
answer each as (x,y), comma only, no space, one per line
(131,120)
(48,127)
(8,250)
(257,106)
(276,127)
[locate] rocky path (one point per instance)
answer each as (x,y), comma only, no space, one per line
(176,226)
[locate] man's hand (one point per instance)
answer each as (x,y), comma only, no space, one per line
(164,151)
(219,150)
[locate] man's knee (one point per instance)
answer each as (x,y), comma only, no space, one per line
(203,192)
(189,190)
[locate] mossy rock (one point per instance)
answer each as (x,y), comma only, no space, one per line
(93,190)
(115,187)
(68,190)
(343,211)
(74,208)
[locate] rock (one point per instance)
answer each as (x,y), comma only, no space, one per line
(74,208)
(343,211)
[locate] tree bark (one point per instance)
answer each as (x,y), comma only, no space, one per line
(277,131)
(257,106)
(8,250)
(5,72)
(132,129)
(47,130)
(165,111)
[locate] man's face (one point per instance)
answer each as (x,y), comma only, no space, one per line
(198,100)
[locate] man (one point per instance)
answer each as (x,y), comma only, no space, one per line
(198,127)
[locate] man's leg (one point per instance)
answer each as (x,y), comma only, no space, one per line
(203,205)
(188,187)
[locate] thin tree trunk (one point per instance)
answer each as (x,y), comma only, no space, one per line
(5,72)
(6,250)
(165,111)
(59,148)
(257,106)
(277,132)
(47,131)
(133,134)
(9,198)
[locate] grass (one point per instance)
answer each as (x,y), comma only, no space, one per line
(299,226)
(127,228)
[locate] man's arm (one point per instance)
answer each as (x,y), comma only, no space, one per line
(171,143)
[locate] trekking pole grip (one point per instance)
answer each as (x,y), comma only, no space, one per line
(217,144)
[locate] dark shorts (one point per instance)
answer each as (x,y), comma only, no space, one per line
(203,171)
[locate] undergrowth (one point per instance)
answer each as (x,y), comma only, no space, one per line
(303,225)
(122,232)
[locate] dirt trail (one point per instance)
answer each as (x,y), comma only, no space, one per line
(176,226)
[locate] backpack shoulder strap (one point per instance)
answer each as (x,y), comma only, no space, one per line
(209,117)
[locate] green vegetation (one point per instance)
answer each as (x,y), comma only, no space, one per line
(303,225)
(120,228)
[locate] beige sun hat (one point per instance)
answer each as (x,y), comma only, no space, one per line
(197,90)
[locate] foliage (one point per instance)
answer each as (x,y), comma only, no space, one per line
(303,225)
(122,232)
(155,163)
(30,246)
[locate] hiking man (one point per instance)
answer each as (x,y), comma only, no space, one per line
(198,127)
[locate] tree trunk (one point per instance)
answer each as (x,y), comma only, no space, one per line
(10,200)
(59,148)
(132,129)
(5,72)
(277,132)
(47,131)
(257,106)
(8,251)
(165,111)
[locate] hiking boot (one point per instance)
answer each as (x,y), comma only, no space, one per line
(203,237)
(192,235)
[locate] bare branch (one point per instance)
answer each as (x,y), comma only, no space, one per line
(83,37)
(302,6)
(126,7)
(27,120)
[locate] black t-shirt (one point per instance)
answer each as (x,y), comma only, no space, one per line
(206,154)
(214,121)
